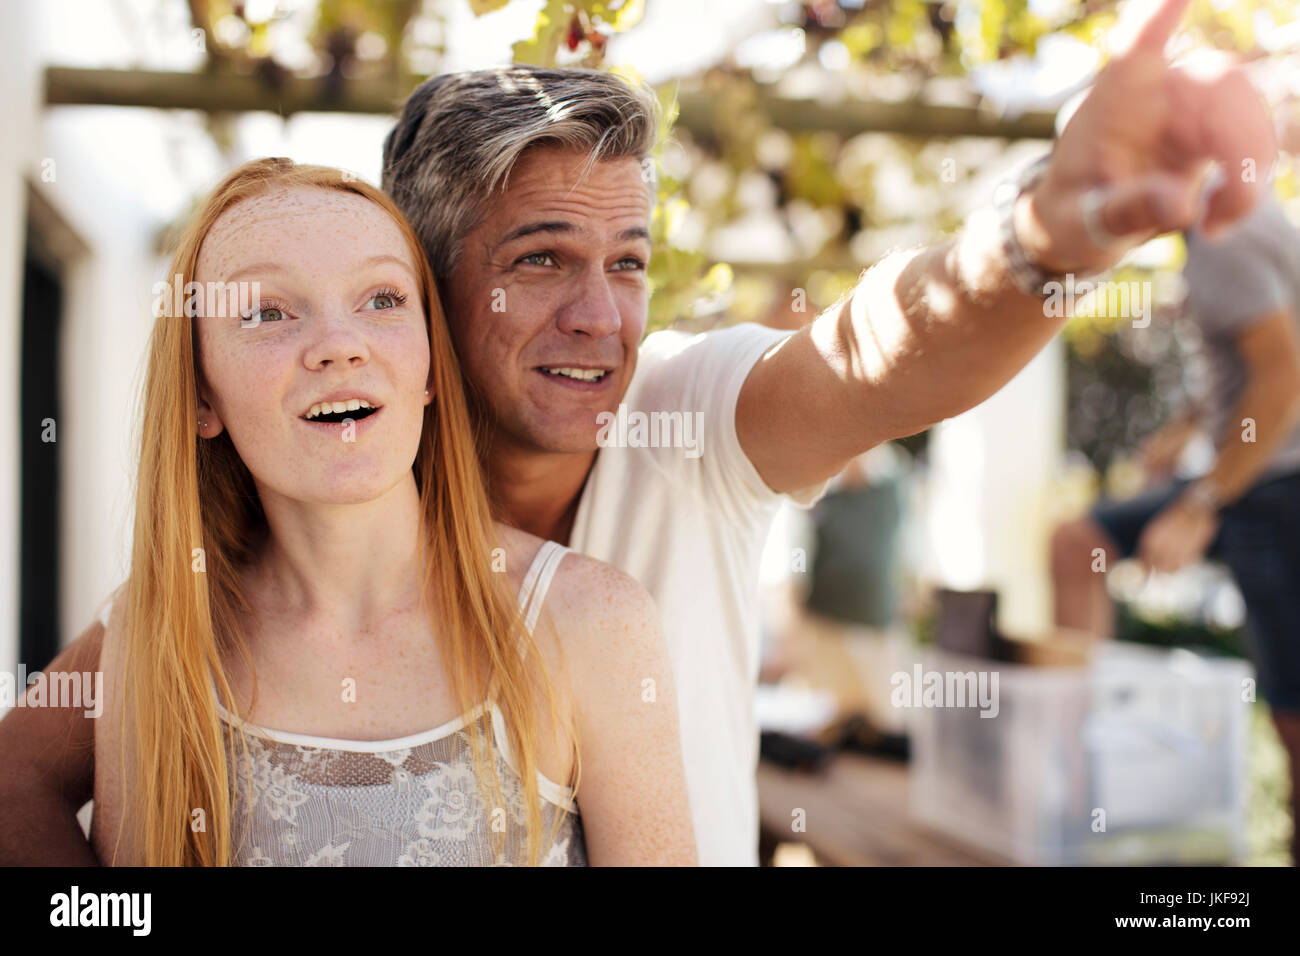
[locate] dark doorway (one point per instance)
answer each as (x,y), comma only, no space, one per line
(38,593)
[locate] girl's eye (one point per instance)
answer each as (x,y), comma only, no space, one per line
(385,300)
(270,313)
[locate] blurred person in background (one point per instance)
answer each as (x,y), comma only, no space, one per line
(833,575)
(1243,292)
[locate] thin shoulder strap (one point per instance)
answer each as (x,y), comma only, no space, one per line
(106,608)
(537,581)
(532,593)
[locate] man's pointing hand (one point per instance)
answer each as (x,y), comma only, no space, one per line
(1133,160)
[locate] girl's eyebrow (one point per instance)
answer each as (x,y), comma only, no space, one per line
(379,259)
(267,268)
(255,269)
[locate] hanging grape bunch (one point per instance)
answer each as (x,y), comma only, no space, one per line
(580,29)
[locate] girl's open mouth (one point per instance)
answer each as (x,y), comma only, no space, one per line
(340,417)
(337,412)
(331,422)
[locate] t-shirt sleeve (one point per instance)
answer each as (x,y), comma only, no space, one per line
(1232,285)
(703,374)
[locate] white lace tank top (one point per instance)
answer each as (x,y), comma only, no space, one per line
(410,801)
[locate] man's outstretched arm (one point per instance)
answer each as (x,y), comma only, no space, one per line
(48,760)
(930,333)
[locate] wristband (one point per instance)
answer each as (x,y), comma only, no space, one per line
(1026,276)
(1204,496)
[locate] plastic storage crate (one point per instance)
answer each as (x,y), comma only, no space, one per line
(1155,740)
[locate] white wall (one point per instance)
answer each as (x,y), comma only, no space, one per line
(106,323)
(989,518)
(108,202)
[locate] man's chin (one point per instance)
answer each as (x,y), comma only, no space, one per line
(565,445)
(567,437)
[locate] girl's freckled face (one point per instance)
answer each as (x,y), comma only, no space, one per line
(340,314)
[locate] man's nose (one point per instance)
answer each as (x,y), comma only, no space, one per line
(591,308)
(335,340)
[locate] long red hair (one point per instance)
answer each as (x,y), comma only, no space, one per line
(197,493)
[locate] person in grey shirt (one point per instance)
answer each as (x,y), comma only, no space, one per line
(1243,292)
(1253,274)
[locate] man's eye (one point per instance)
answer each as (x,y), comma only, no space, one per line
(629,264)
(537,258)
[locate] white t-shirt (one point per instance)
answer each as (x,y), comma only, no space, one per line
(689,521)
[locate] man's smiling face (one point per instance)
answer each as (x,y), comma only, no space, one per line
(547,302)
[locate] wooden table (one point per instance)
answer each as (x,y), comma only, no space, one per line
(856,813)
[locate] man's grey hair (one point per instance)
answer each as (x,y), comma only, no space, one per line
(460,135)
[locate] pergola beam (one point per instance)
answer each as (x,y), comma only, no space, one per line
(217,92)
(227,93)
(850,117)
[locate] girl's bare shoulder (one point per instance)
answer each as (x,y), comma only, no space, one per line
(585,592)
(594,616)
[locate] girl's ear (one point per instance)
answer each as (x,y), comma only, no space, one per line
(209,421)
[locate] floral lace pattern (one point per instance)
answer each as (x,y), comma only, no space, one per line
(414,806)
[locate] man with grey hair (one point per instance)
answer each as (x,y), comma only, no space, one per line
(528,189)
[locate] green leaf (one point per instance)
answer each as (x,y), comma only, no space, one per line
(552,24)
(862,37)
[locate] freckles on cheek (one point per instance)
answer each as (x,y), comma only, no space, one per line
(240,376)
(212,363)
(414,361)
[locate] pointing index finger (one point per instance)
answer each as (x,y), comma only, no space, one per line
(1147,25)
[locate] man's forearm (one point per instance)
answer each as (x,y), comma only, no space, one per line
(39,828)
(1274,412)
(925,335)
(937,331)
(48,760)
